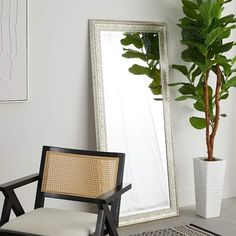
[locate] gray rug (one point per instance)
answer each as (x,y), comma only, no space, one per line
(184,230)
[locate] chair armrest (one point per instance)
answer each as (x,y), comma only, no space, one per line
(111,195)
(20,182)
(11,201)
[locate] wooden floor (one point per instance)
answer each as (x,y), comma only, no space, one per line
(224,225)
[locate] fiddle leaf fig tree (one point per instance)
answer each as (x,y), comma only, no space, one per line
(211,74)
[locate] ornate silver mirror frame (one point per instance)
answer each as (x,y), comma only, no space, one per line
(103,132)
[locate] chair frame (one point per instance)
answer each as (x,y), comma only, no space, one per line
(108,217)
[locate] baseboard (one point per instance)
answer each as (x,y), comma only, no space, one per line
(229,189)
(186,197)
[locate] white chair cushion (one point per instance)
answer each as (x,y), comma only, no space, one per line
(54,222)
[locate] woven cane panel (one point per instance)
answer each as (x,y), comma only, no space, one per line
(79,175)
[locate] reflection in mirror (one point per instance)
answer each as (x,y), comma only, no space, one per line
(145,47)
(129,62)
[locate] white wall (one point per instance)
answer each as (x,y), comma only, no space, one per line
(60,110)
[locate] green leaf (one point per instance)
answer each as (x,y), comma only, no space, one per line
(158,99)
(134,54)
(202,66)
(187,89)
(223,115)
(209,10)
(224,96)
(229,19)
(192,68)
(233,60)
(155,87)
(200,90)
(225,1)
(217,34)
(196,73)
(210,91)
(182,69)
(230,83)
(223,48)
(192,55)
(176,84)
(151,45)
(189,4)
(201,47)
(224,62)
(190,13)
(199,106)
(182,98)
(193,26)
(139,70)
(198,123)
(199,2)
(155,74)
(221,2)
(192,34)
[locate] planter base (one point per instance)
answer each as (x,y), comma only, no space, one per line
(209,183)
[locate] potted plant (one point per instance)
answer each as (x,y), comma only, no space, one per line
(210,77)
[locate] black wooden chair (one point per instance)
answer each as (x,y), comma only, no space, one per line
(77,175)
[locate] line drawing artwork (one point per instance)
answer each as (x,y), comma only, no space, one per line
(14,86)
(8,37)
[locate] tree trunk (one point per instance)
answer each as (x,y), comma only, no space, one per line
(210,138)
(207,115)
(217,105)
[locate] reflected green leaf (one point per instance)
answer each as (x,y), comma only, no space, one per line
(181,68)
(132,39)
(130,53)
(139,70)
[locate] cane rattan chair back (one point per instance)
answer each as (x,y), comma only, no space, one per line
(77,174)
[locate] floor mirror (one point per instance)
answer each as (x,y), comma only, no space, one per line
(132,113)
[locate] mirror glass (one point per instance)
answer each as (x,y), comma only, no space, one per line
(131,97)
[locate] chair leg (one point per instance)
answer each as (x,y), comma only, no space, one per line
(115,211)
(16,206)
(15,203)
(6,211)
(110,222)
(99,231)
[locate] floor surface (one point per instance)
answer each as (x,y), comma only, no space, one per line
(224,225)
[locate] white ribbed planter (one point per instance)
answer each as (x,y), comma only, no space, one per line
(209,183)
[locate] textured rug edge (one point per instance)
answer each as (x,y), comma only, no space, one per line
(196,226)
(182,230)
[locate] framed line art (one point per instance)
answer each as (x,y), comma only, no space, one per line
(13,51)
